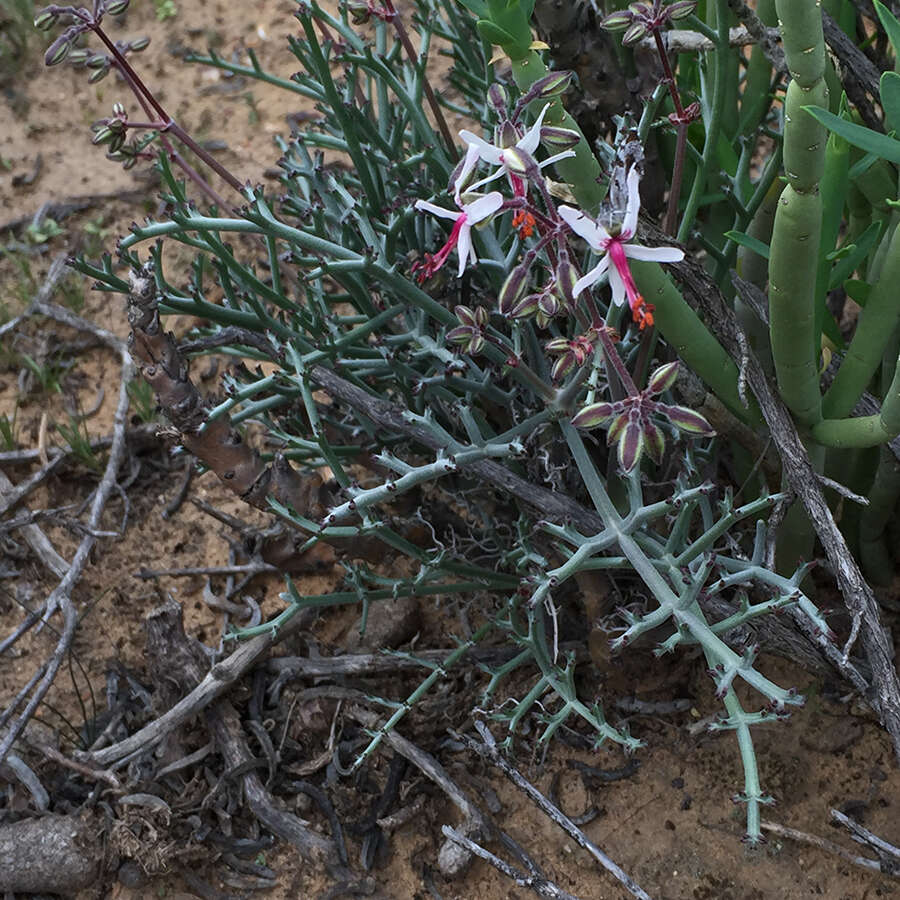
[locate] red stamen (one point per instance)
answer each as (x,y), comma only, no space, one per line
(430,265)
(525,222)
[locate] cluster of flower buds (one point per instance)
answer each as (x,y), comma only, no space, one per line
(470,335)
(631,427)
(641,19)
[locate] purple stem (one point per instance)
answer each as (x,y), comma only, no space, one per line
(140,89)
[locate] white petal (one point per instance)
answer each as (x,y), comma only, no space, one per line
(483,207)
(633,204)
(584,226)
(438,210)
(484,181)
(464,247)
(654,254)
(530,140)
(468,166)
(617,286)
(591,277)
(488,152)
(566,154)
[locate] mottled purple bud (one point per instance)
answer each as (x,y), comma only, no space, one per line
(562,367)
(141,43)
(79,56)
(505,134)
(45,20)
(360,11)
(513,289)
(462,334)
(654,441)
(634,33)
(58,50)
(686,420)
(559,138)
(466,316)
(616,427)
(557,345)
(103,135)
(616,21)
(681,8)
(566,277)
(526,307)
(98,74)
(117,7)
(97,61)
(631,446)
(593,415)
(551,85)
(481,317)
(548,304)
(517,161)
(662,379)
(498,98)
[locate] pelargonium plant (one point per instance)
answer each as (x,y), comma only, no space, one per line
(498,367)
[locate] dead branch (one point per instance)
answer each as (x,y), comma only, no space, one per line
(49,855)
(859,75)
(540,885)
(450,861)
(487,749)
(173,655)
(888,855)
(821,843)
(61,596)
(212,686)
(36,539)
(767,38)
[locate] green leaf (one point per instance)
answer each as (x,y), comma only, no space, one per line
(852,260)
(493,34)
(858,291)
(890,100)
(871,141)
(751,243)
(890,25)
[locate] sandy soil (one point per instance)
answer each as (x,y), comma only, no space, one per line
(670,825)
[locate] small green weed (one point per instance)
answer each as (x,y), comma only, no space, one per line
(165,9)
(8,431)
(76,436)
(143,400)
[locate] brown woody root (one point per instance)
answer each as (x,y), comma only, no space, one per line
(217,444)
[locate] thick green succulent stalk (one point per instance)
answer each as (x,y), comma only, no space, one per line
(793,259)
(875,556)
(877,322)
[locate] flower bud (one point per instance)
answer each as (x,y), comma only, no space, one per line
(551,85)
(548,305)
(526,307)
(58,50)
(562,367)
(593,415)
(103,135)
(559,138)
(97,61)
(79,55)
(616,21)
(686,420)
(681,8)
(566,276)
(498,98)
(513,289)
(654,441)
(465,315)
(98,74)
(139,44)
(633,34)
(118,110)
(45,20)
(117,7)
(517,161)
(663,378)
(506,135)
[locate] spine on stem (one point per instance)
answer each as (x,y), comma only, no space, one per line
(793,258)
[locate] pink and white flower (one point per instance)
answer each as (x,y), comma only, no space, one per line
(616,247)
(510,159)
(468,215)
